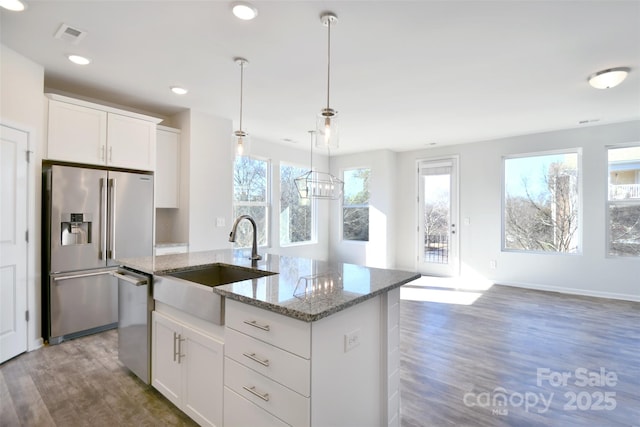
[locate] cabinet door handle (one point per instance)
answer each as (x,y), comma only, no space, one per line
(175,340)
(253,391)
(253,357)
(256,325)
(177,347)
(180,354)
(102,149)
(110,154)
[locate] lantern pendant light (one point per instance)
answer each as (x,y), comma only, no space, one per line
(327,122)
(318,185)
(240,137)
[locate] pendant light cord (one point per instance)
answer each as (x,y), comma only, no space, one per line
(241,85)
(328,58)
(311,132)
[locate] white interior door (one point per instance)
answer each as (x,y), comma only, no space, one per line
(13,244)
(438,217)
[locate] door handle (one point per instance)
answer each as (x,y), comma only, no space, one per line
(256,325)
(134,280)
(112,219)
(252,390)
(102,251)
(80,276)
(253,357)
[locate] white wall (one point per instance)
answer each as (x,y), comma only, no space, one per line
(22,106)
(590,273)
(379,251)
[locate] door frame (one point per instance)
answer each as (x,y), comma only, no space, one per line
(453,268)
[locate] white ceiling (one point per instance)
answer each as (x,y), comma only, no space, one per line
(405,74)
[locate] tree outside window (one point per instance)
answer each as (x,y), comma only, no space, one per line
(541,203)
(355,205)
(624,202)
(296,214)
(251,197)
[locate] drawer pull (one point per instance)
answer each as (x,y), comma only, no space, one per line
(253,391)
(253,357)
(256,325)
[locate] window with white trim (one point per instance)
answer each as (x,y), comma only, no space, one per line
(623,201)
(251,194)
(296,214)
(355,204)
(541,202)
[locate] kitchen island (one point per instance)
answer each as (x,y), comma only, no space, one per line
(314,344)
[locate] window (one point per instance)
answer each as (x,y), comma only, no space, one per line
(251,197)
(355,205)
(296,214)
(623,208)
(541,204)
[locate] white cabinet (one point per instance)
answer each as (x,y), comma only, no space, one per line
(282,371)
(167,177)
(187,368)
(76,133)
(131,142)
(84,132)
(267,366)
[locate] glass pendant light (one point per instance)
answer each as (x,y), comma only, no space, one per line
(327,122)
(240,137)
(318,185)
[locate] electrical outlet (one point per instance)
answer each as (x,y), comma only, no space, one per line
(220,222)
(351,340)
(493,264)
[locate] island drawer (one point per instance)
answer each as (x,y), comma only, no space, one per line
(281,366)
(271,396)
(284,332)
(240,412)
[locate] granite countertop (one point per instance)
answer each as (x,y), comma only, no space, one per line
(302,288)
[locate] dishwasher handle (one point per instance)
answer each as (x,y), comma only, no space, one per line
(129,277)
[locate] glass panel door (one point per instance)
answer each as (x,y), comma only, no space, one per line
(438,218)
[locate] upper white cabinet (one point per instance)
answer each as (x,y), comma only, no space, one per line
(167,177)
(84,132)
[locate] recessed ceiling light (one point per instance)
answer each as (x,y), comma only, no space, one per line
(13,5)
(244,11)
(80,60)
(179,90)
(609,78)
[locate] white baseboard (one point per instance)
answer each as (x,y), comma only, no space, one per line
(574,291)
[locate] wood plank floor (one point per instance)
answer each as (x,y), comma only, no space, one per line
(455,360)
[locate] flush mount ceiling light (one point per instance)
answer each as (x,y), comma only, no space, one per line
(318,185)
(240,137)
(79,60)
(609,78)
(13,5)
(327,121)
(244,11)
(179,90)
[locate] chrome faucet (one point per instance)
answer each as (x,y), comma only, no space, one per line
(232,236)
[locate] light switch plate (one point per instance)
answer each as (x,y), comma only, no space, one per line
(351,340)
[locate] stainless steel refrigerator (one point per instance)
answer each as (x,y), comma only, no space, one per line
(92,217)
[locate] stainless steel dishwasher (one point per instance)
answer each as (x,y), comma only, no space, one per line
(135,304)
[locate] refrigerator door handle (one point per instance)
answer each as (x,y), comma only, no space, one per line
(112,219)
(79,276)
(102,251)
